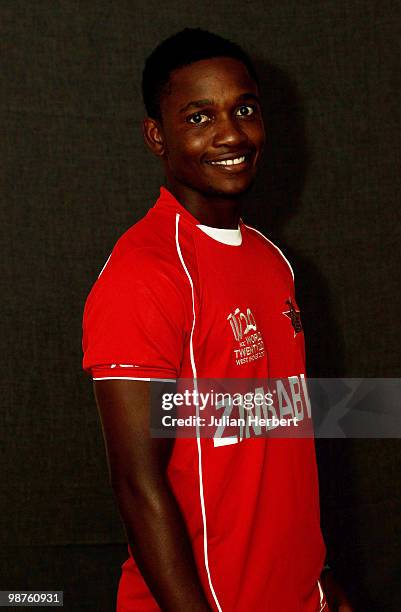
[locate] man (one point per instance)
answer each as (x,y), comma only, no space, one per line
(211,524)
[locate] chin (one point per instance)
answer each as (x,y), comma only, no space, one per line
(230,191)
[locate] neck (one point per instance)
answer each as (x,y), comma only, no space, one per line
(212,210)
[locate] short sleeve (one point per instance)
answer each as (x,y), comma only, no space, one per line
(135,320)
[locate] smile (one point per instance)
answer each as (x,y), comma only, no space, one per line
(236,163)
(229,162)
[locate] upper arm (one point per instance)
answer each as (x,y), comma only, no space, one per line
(134,457)
(137,315)
(134,326)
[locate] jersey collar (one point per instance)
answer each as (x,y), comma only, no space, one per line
(231,237)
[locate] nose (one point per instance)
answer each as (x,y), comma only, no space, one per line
(228,133)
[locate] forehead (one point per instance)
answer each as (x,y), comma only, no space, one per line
(220,79)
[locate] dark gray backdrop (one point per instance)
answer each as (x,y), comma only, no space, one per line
(77,175)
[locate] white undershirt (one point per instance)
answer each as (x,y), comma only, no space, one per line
(232,237)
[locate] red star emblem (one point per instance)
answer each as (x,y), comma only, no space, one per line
(294,315)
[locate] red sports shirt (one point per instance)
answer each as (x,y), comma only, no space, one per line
(180,300)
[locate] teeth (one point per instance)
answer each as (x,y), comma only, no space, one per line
(230,162)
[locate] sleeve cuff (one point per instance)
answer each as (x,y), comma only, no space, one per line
(131,372)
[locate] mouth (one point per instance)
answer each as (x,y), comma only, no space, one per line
(235,162)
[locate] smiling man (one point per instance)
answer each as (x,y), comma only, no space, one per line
(212,524)
(206,167)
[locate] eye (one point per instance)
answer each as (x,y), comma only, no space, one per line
(198,118)
(245,110)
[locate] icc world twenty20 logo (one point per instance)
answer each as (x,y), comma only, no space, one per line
(245,330)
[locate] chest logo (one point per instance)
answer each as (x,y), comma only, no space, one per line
(294,315)
(249,342)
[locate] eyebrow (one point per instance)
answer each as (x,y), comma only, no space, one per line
(207,102)
(196,104)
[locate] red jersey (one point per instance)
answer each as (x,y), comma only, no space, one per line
(180,300)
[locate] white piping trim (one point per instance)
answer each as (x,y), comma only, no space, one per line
(275,246)
(191,349)
(132,378)
(322,605)
(107,261)
(119,378)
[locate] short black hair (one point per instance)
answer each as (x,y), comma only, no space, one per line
(183,48)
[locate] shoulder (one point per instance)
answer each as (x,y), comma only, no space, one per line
(144,260)
(268,245)
(145,243)
(147,250)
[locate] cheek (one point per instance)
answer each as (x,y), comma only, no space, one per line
(256,134)
(194,144)
(187,150)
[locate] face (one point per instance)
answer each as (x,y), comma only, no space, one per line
(211,133)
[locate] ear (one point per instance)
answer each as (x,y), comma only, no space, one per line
(153,135)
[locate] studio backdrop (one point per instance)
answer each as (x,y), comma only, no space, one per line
(77,174)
